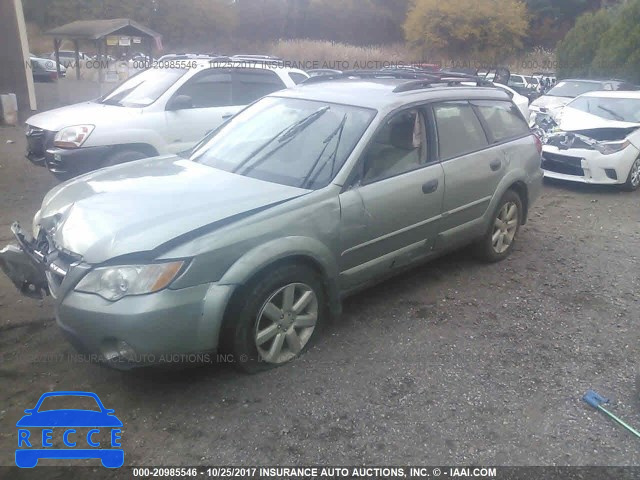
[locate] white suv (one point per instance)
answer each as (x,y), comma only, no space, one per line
(162,110)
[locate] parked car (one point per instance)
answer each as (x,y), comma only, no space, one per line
(158,111)
(44,70)
(526,86)
(306,196)
(565,90)
(596,140)
(68,57)
(316,72)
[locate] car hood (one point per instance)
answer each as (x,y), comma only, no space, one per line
(85,113)
(574,120)
(140,206)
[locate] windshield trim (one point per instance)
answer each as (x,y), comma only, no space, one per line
(374,114)
(100,100)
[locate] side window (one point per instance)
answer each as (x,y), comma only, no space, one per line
(503,120)
(399,147)
(251,84)
(297,77)
(208,89)
(459,130)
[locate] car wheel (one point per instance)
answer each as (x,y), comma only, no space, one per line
(633,180)
(123,156)
(497,244)
(279,317)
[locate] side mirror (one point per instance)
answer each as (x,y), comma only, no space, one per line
(180,102)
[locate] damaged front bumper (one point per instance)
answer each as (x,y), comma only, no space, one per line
(26,265)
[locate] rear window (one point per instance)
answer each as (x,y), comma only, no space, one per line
(297,77)
(251,84)
(503,119)
(459,130)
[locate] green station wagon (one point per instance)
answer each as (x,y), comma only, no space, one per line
(250,242)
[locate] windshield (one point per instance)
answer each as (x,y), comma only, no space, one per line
(572,89)
(143,89)
(300,143)
(531,80)
(619,109)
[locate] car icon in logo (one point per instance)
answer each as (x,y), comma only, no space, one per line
(31,448)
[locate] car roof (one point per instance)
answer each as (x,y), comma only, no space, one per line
(379,93)
(241,64)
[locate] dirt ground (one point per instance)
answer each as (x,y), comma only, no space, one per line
(456,362)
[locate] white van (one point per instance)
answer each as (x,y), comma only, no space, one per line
(162,110)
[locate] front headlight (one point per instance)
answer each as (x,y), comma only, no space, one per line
(607,148)
(72,137)
(113,283)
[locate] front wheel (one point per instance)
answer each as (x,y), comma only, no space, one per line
(633,180)
(498,242)
(278,317)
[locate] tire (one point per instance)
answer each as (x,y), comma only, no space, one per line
(633,180)
(123,156)
(258,311)
(497,243)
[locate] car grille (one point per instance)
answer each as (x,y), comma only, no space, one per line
(59,262)
(38,141)
(562,164)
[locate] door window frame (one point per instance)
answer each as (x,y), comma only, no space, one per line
(427,159)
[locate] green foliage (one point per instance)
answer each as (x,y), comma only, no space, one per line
(479,29)
(604,44)
(578,49)
(619,52)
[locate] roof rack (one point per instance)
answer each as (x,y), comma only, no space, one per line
(400,74)
(257,59)
(420,79)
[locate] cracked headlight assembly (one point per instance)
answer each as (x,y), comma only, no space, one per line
(608,148)
(113,283)
(72,137)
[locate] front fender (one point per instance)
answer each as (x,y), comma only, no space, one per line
(262,256)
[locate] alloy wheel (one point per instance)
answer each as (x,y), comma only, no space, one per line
(505,227)
(635,173)
(286,322)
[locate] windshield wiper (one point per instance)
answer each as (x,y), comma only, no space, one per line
(615,115)
(308,180)
(283,137)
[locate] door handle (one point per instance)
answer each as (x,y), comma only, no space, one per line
(430,187)
(227,116)
(495,165)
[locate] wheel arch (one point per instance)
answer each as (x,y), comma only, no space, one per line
(144,148)
(290,250)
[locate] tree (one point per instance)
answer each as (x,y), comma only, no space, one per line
(618,54)
(469,29)
(577,50)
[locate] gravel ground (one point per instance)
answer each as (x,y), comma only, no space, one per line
(456,362)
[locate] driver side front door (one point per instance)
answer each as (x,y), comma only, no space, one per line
(390,216)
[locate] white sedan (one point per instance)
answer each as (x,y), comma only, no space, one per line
(597,140)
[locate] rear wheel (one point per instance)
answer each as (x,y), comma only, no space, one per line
(498,242)
(123,156)
(633,180)
(277,318)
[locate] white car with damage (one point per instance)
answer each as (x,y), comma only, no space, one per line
(596,139)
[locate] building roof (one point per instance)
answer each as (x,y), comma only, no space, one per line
(95,29)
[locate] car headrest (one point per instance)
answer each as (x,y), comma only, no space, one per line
(402,135)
